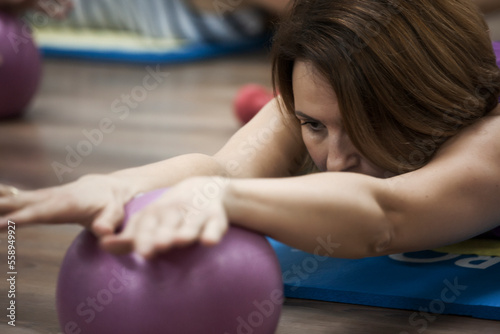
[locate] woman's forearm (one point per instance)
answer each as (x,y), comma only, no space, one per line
(268,146)
(310,211)
(168,172)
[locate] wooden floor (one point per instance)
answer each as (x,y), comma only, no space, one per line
(190,111)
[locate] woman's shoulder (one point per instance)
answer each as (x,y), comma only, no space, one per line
(480,140)
(456,194)
(469,161)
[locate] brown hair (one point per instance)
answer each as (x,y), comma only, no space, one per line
(408,74)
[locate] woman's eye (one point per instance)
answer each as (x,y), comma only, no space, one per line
(314,126)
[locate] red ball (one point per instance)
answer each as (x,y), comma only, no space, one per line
(20,66)
(249,101)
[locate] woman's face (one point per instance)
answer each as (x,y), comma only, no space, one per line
(317,109)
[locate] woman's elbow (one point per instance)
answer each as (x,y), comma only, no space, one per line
(379,242)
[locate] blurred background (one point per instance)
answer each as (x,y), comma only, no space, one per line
(493,20)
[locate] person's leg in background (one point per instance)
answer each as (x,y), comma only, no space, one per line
(190,21)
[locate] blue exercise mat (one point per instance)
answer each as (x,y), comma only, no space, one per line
(184,54)
(428,282)
(123,46)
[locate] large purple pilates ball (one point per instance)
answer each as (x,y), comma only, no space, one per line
(231,288)
(20,66)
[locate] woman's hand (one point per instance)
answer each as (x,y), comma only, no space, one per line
(189,212)
(94,201)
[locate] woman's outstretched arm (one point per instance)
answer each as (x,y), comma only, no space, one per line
(268,146)
(265,147)
(453,198)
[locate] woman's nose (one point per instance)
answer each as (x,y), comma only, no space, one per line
(341,156)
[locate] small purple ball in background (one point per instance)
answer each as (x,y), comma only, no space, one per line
(233,287)
(20,66)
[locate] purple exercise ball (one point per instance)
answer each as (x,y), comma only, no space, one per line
(234,287)
(20,66)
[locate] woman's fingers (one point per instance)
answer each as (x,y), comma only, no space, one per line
(150,232)
(29,209)
(170,222)
(172,228)
(36,213)
(8,204)
(189,230)
(213,231)
(124,241)
(145,236)
(164,236)
(25,206)
(155,229)
(9,199)
(58,205)
(108,220)
(117,243)
(8,191)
